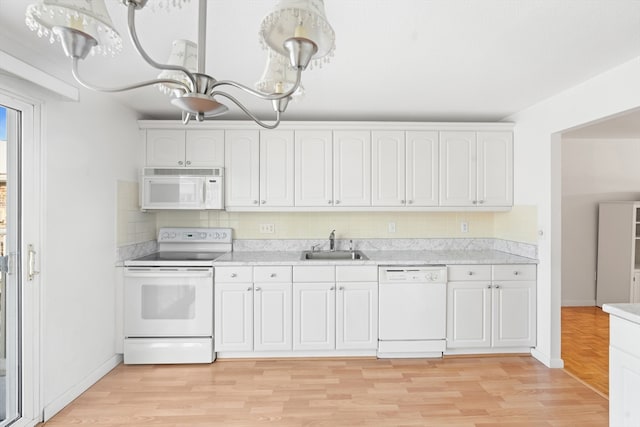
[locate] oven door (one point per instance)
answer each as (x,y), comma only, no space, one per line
(168,302)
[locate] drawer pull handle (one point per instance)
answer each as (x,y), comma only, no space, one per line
(249,288)
(258,289)
(470,273)
(497,286)
(234,275)
(341,288)
(516,273)
(273,275)
(488,286)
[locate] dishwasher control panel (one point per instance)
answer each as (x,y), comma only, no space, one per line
(411,274)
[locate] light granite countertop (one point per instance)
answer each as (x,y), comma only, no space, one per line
(397,257)
(630,312)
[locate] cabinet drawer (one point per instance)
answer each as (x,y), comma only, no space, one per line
(514,272)
(357,273)
(311,274)
(233,274)
(458,273)
(276,273)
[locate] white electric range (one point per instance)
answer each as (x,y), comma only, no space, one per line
(168,297)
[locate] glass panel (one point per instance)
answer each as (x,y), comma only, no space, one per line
(9,283)
(168,302)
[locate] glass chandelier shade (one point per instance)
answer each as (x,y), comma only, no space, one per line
(184,53)
(296,34)
(299,18)
(89,17)
(278,76)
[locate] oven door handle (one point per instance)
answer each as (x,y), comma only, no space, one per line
(169,272)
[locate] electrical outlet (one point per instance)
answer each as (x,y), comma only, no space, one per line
(464,227)
(392,227)
(267,228)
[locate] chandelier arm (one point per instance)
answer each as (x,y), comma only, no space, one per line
(76,75)
(268,97)
(249,113)
(133,35)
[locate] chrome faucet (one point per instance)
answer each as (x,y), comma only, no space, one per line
(332,241)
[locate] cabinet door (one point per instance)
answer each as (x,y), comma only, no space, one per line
(514,314)
(165,148)
(458,169)
(272,316)
(495,168)
(352,168)
(422,168)
(242,168)
(357,316)
(314,316)
(233,317)
(387,168)
(276,168)
(313,168)
(469,314)
(624,388)
(204,148)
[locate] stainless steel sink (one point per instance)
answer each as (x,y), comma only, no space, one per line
(333,255)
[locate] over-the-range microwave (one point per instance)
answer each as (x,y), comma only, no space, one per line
(182,188)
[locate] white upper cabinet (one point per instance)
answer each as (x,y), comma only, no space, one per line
(388,168)
(242,168)
(320,166)
(313,168)
(352,168)
(457,168)
(476,169)
(495,168)
(422,150)
(276,168)
(179,148)
(404,168)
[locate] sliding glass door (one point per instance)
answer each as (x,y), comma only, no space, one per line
(10,286)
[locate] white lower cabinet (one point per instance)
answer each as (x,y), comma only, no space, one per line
(314,316)
(491,307)
(272,316)
(624,371)
(357,315)
(281,310)
(233,309)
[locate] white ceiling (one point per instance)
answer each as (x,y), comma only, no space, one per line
(428,60)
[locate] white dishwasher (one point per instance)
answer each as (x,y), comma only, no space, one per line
(412,311)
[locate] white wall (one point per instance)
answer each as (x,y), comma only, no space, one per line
(593,171)
(537,166)
(88,147)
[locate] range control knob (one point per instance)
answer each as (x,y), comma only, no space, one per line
(164,235)
(203,235)
(216,236)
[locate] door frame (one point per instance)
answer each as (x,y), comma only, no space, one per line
(31,170)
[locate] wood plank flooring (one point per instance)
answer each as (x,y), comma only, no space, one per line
(585,345)
(462,391)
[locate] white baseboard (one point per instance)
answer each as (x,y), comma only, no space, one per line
(578,303)
(56,406)
(547,360)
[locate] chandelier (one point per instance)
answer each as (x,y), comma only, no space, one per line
(295,34)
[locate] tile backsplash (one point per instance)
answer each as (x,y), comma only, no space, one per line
(133,225)
(519,224)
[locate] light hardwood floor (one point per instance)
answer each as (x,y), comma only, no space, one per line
(585,345)
(463,391)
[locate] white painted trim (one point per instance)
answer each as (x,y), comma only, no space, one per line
(365,209)
(312,125)
(27,72)
(547,360)
(294,354)
(579,303)
(58,404)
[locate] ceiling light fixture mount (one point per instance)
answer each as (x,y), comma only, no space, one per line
(296,34)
